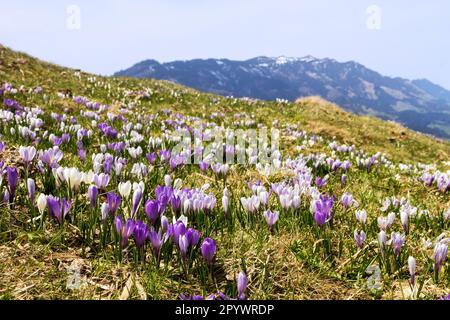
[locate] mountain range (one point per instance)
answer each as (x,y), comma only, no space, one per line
(418,104)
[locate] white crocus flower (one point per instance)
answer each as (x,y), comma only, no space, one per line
(74,177)
(139,186)
(125,189)
(27,153)
(361,216)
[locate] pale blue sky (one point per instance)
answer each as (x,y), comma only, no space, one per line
(413,41)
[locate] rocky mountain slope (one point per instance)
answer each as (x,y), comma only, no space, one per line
(418,104)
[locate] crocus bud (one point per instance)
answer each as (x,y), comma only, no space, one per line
(359,238)
(382,241)
(208,250)
(13,178)
(105,211)
(164,223)
(92,194)
(152,210)
(344,179)
(167,180)
(140,233)
(241,285)
(5,196)
(398,241)
(183,244)
(137,197)
(439,255)
(412,269)
(114,201)
(225,200)
(42,203)
(31,186)
(404,217)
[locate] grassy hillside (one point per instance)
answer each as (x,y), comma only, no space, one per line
(296,259)
(312,114)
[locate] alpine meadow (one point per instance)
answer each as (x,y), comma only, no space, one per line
(96,203)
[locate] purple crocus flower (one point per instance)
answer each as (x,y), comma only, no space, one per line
(82,154)
(193,236)
(108,130)
(152,210)
(58,209)
(271,218)
(208,249)
(347,200)
(151,157)
(320,183)
(114,201)
(397,242)
(101,181)
(2,146)
(56,141)
(203,166)
(27,154)
(179,229)
(124,230)
(359,239)
(173,163)
(241,285)
(65,137)
(156,241)
(175,204)
(320,217)
(428,179)
(51,157)
(92,194)
(165,155)
(107,164)
(140,233)
(323,210)
(221,296)
(344,179)
(13,178)
(440,254)
(190,297)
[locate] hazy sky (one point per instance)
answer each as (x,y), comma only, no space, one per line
(406,38)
